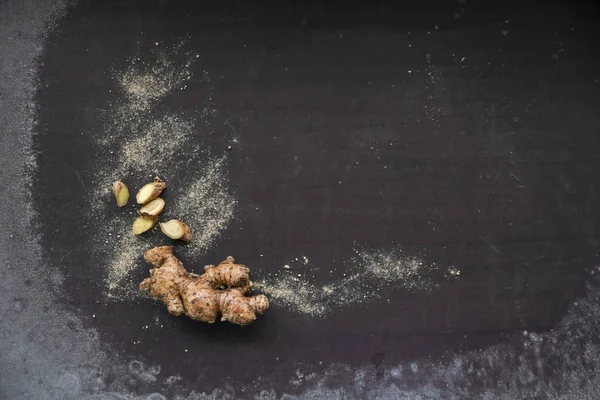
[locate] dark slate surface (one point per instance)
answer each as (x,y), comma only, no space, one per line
(507,173)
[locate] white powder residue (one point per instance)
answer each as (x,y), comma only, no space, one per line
(371,275)
(127,252)
(146,83)
(141,86)
(206,206)
(157,146)
(393,268)
(296,294)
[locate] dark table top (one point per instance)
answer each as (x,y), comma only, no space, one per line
(460,136)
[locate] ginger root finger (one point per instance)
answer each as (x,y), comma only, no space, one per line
(219,291)
(241,310)
(156,256)
(228,274)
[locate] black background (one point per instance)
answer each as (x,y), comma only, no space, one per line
(502,184)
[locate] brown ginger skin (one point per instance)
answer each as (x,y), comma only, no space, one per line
(219,290)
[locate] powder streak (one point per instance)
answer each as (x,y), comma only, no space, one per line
(371,272)
(206,206)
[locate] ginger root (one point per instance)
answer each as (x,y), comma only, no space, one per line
(219,290)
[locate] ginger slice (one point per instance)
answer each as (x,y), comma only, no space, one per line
(143,224)
(150,191)
(121,193)
(176,229)
(153,208)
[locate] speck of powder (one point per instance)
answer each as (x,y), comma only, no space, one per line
(141,85)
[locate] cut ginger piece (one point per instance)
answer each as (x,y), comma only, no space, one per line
(153,208)
(143,224)
(121,193)
(176,229)
(150,191)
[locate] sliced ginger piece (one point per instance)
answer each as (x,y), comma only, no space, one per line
(143,224)
(121,193)
(176,229)
(150,191)
(153,208)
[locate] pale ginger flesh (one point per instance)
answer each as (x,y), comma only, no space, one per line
(220,290)
(121,193)
(150,191)
(176,229)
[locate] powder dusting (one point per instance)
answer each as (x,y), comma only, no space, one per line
(156,148)
(145,82)
(296,294)
(130,249)
(206,206)
(372,274)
